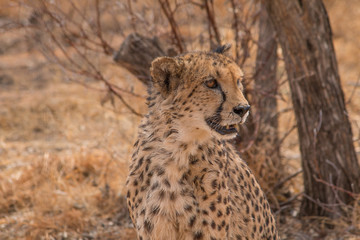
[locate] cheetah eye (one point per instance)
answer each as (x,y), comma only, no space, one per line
(212,83)
(240,86)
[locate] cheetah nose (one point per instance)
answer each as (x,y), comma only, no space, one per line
(241,110)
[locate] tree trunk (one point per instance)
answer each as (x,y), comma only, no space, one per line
(262,127)
(266,83)
(331,170)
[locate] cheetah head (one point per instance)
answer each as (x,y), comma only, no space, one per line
(204,92)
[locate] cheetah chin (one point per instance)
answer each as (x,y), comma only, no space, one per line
(223,130)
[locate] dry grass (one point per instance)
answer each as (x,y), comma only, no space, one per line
(64,194)
(64,156)
(63,165)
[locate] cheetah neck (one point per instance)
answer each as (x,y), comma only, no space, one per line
(172,130)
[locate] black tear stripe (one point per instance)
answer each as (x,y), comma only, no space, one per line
(216,118)
(223,95)
(218,111)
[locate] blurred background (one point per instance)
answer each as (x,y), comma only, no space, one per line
(69,112)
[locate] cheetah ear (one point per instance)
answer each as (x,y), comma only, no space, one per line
(166,73)
(222,49)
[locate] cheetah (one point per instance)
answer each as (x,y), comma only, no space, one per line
(186,181)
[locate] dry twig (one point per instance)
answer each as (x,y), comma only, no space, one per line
(165,6)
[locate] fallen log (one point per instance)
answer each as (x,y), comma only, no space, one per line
(136,54)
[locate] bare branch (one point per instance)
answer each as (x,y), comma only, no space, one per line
(210,13)
(165,6)
(236,29)
(354,90)
(107,48)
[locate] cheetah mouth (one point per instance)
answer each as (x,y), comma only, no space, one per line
(223,130)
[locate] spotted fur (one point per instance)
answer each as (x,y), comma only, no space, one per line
(185,180)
